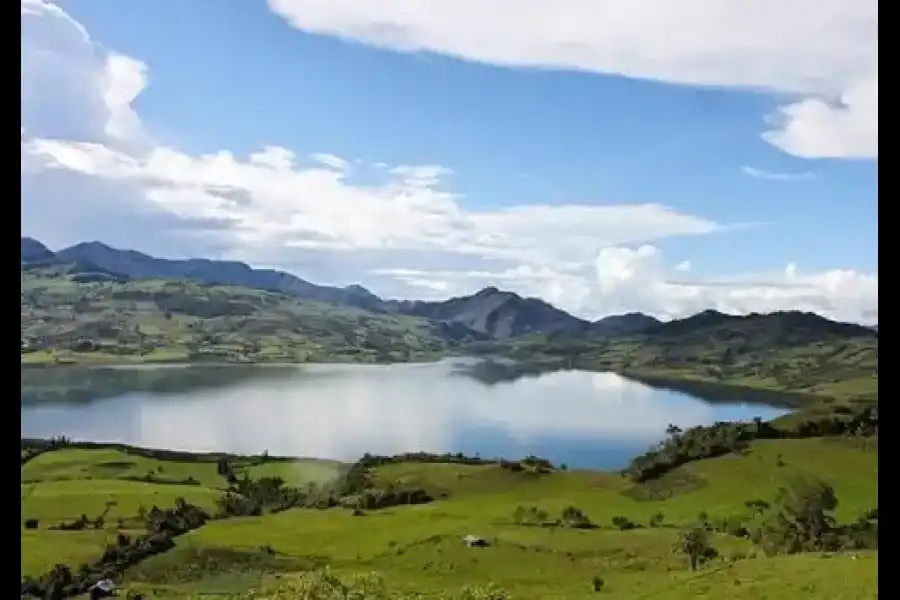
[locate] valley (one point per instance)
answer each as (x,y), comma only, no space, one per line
(779,508)
(91,304)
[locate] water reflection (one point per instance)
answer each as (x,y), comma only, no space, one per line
(583,419)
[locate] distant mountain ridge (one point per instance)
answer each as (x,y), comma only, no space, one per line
(781,324)
(491,313)
(33,251)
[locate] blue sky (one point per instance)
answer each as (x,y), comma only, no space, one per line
(650,172)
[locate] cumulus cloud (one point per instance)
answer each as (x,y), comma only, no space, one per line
(637,278)
(90,170)
(825,51)
(270,200)
(775,176)
(71,87)
(819,128)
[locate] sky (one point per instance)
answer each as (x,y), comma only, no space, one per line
(606,156)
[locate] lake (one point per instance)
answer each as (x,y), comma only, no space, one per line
(583,419)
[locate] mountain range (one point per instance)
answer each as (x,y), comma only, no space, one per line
(492,313)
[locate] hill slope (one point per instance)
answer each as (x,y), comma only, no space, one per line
(64,319)
(137,265)
(496,313)
(500,314)
(419,549)
(34,251)
(784,351)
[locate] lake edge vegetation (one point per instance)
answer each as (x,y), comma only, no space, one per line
(798,519)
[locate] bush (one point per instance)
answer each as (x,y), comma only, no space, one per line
(624,523)
(721,438)
(323,585)
(575,518)
(734,527)
(757,506)
(694,543)
(530,516)
(801,520)
(162,527)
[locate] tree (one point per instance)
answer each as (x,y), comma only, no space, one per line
(802,518)
(694,543)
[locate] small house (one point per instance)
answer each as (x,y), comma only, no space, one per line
(102,589)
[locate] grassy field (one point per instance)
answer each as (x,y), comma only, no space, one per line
(419,549)
(727,356)
(65,321)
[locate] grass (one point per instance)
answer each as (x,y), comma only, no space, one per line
(419,548)
(77,464)
(41,550)
(801,357)
(152,321)
(297,473)
(53,502)
(158,321)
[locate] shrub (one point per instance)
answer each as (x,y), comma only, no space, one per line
(624,523)
(324,585)
(530,515)
(575,518)
(801,519)
(694,543)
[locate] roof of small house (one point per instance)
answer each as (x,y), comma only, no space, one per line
(104,584)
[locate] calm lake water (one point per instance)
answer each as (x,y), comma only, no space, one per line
(587,420)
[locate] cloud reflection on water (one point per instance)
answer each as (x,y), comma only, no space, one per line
(343,411)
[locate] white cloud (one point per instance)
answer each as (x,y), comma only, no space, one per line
(330,160)
(319,208)
(91,171)
(774,176)
(636,278)
(817,128)
(72,88)
(639,279)
(824,50)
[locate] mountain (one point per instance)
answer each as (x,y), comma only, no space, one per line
(179,320)
(501,315)
(755,331)
(33,251)
(623,324)
(137,265)
(490,312)
(504,315)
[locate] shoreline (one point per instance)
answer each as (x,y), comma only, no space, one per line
(676,381)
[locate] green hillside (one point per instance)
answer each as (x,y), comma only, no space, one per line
(797,353)
(66,319)
(397,526)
